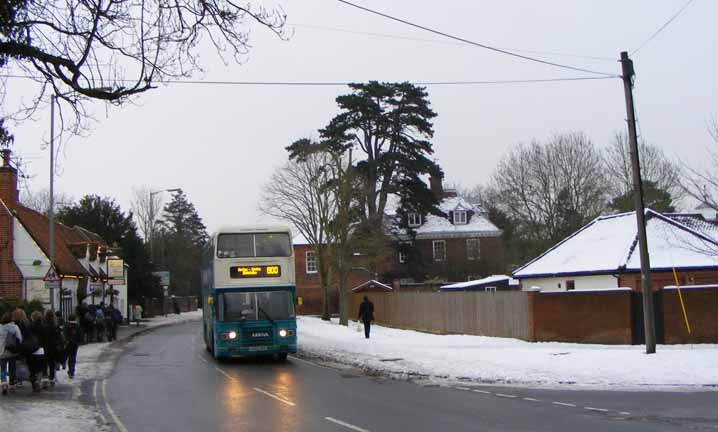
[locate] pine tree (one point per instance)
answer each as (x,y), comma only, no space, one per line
(183,236)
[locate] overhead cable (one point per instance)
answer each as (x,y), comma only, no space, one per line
(661,28)
(480,45)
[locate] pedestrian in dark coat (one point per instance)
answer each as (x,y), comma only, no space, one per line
(53,344)
(366,315)
(72,343)
(36,358)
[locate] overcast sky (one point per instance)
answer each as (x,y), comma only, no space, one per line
(220,143)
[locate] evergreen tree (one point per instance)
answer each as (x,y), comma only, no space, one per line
(104,217)
(391,124)
(654,198)
(183,236)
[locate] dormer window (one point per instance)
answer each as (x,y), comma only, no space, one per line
(414,219)
(460,217)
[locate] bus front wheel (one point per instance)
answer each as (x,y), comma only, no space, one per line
(282,356)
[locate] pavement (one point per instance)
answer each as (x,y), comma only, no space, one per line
(166,381)
(72,405)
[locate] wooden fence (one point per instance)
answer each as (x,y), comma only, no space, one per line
(502,314)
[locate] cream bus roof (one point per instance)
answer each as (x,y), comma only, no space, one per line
(253,228)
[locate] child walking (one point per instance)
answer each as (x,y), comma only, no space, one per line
(72,341)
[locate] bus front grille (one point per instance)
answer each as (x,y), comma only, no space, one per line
(257,336)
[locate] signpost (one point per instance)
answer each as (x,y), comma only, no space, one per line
(115,271)
(52,280)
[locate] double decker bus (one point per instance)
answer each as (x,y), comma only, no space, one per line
(248,292)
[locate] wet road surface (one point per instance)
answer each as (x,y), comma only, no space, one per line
(166,381)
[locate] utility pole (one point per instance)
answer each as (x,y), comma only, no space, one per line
(646,289)
(52,195)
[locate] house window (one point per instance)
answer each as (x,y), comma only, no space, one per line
(402,257)
(414,219)
(460,217)
(439,247)
(570,285)
(473,249)
(403,254)
(311,262)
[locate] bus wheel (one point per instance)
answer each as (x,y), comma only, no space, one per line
(282,356)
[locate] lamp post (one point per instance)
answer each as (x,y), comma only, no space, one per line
(152,215)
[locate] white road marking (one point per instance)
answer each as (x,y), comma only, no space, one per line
(505,395)
(596,409)
(481,391)
(564,404)
(531,399)
(462,388)
(312,363)
(202,358)
(223,372)
(117,421)
(624,413)
(273,396)
(345,424)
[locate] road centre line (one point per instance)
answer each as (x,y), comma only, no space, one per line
(273,396)
(505,395)
(117,421)
(624,413)
(223,372)
(531,399)
(564,404)
(345,424)
(481,391)
(596,409)
(463,388)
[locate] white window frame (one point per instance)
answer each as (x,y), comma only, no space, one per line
(402,254)
(478,249)
(307,261)
(413,219)
(460,221)
(434,243)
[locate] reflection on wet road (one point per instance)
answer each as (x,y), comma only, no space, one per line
(167,382)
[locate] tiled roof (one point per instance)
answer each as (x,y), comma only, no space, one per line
(37,224)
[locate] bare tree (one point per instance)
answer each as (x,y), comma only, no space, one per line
(702,183)
(655,167)
(298,192)
(40,200)
(552,188)
(113,49)
(146,208)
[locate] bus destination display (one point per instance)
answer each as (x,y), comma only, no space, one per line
(257,271)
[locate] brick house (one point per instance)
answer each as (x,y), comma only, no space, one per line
(459,246)
(604,255)
(80,255)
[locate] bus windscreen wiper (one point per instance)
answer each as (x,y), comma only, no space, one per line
(265,314)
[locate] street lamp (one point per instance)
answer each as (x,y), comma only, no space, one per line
(152,215)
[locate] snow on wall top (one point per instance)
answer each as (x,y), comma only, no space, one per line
(609,244)
(480,282)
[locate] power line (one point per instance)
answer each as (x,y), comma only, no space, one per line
(443,42)
(342,84)
(661,28)
(480,45)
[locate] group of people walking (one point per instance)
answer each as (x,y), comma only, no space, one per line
(45,342)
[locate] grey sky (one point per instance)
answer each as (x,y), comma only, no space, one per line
(220,143)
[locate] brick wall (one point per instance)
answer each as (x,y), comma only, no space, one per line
(665,278)
(702,310)
(457,266)
(10,276)
(581,316)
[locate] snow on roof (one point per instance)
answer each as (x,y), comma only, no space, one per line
(480,282)
(608,244)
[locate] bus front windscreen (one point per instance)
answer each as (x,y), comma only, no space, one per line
(253,306)
(253,245)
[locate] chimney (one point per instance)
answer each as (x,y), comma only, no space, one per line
(8,180)
(435,184)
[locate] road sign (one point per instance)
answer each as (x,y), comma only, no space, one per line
(164,277)
(50,285)
(115,268)
(51,275)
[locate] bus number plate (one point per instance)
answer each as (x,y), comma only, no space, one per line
(258,271)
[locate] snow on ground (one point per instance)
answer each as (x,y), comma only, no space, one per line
(504,361)
(94,362)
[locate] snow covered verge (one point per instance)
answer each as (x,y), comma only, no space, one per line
(451,359)
(52,411)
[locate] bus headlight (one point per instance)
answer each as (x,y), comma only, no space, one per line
(232,335)
(283,333)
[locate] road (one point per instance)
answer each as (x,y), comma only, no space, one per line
(165,381)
